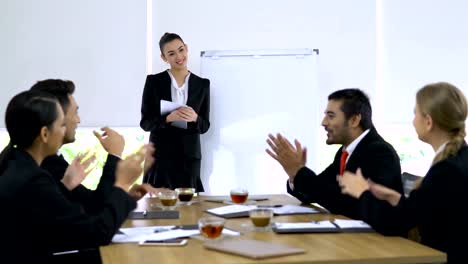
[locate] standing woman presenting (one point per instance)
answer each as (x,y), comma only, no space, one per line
(177,149)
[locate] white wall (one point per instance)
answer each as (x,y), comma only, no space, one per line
(343,30)
(423,41)
(100,45)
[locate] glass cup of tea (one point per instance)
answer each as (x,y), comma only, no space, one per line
(211,227)
(261,218)
(239,196)
(168,199)
(185,195)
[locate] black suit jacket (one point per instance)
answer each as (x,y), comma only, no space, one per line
(38,219)
(171,141)
(377,160)
(439,207)
(90,200)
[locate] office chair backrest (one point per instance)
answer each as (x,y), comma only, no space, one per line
(409,180)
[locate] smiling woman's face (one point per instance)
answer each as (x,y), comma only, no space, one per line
(175,53)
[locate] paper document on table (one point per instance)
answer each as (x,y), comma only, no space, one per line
(294,209)
(351,223)
(229,209)
(176,233)
(306,227)
(322,224)
(230,232)
(137,234)
(167,107)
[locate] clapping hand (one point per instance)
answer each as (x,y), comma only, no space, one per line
(292,158)
(384,193)
(78,170)
(129,169)
(138,191)
(111,141)
(149,157)
(353,184)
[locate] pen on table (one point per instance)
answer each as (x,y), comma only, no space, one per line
(65,252)
(214,201)
(269,206)
(159,230)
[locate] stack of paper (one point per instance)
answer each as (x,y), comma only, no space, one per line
(232,211)
(306,227)
(167,107)
(254,249)
(294,209)
(138,234)
(352,225)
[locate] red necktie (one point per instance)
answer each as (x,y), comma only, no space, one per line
(344,156)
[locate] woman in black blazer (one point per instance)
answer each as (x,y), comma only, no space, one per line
(37,218)
(176,135)
(437,206)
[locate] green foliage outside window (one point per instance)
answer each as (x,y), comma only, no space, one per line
(415,156)
(86,141)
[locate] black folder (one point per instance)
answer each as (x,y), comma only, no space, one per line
(154,215)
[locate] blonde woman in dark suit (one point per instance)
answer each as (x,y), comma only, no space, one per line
(438,205)
(176,135)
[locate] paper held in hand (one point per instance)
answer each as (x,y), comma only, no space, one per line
(167,107)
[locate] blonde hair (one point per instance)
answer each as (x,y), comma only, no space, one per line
(447,106)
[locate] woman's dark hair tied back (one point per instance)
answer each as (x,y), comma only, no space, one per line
(26,113)
(166,38)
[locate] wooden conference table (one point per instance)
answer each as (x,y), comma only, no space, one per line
(320,248)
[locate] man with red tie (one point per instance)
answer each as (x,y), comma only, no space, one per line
(348,122)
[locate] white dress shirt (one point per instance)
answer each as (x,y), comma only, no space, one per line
(179,94)
(440,149)
(351,147)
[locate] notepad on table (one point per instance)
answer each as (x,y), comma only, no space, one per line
(337,226)
(137,234)
(237,210)
(306,227)
(290,209)
(254,249)
(232,211)
(352,225)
